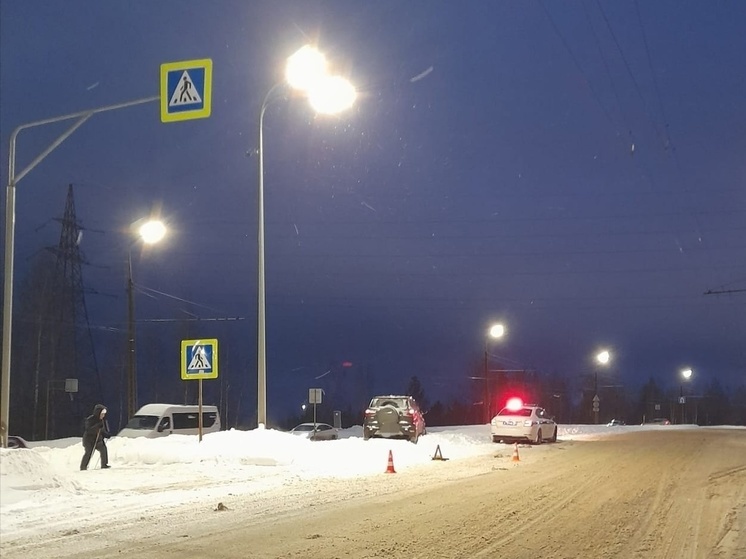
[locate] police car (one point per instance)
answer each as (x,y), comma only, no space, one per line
(523,422)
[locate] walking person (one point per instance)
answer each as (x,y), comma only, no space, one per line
(94,433)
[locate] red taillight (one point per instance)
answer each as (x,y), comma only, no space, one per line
(370,413)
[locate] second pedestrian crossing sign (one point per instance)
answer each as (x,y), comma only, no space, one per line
(186,90)
(199,359)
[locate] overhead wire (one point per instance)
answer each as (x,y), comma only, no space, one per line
(655,81)
(608,71)
(577,64)
(631,74)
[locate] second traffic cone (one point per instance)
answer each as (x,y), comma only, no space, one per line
(390,466)
(516,458)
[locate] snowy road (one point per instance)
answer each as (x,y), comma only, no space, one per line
(660,493)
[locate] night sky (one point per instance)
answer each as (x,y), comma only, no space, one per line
(575,170)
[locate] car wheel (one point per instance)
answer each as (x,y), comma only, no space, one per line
(554,436)
(538,437)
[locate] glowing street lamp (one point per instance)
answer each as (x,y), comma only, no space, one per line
(494,332)
(149,232)
(602,358)
(305,71)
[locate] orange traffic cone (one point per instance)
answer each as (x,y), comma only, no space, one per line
(516,458)
(390,466)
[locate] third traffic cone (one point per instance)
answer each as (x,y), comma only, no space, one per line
(516,458)
(390,466)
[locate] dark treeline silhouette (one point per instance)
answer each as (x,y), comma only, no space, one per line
(567,403)
(52,344)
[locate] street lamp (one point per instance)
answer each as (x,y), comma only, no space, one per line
(686,374)
(602,358)
(305,71)
(10,232)
(495,332)
(150,232)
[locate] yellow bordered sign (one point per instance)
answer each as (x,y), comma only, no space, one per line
(186,90)
(199,359)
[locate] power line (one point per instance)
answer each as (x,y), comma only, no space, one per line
(631,74)
(577,64)
(655,79)
(608,70)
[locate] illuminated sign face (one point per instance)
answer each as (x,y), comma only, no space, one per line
(186,90)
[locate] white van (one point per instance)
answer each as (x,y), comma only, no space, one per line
(160,420)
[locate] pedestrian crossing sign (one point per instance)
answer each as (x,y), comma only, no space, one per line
(186,90)
(199,359)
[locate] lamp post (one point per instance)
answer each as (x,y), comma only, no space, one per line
(686,374)
(150,233)
(306,71)
(10,229)
(602,358)
(496,331)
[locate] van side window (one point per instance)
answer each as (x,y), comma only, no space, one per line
(185,420)
(209,418)
(191,420)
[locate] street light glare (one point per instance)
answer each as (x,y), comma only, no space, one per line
(332,94)
(305,68)
(497,331)
(686,373)
(152,231)
(603,357)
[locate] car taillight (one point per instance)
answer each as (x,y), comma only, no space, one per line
(370,413)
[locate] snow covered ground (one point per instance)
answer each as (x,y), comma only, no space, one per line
(42,490)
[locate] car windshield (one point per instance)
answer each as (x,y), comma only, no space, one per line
(523,412)
(142,422)
(304,428)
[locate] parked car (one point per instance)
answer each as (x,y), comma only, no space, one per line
(523,423)
(16,442)
(316,431)
(615,423)
(658,421)
(394,416)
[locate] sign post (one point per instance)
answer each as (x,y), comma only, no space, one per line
(596,402)
(314,397)
(199,360)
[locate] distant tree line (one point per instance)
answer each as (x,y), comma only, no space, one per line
(567,402)
(46,352)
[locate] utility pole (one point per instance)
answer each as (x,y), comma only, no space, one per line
(131,365)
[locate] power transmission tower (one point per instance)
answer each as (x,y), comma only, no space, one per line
(71,352)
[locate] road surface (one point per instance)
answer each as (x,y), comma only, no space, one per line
(659,494)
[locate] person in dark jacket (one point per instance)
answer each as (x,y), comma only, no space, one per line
(93,437)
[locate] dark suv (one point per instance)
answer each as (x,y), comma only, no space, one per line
(394,416)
